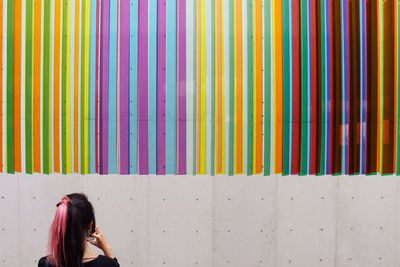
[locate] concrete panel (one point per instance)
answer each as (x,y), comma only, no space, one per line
(244,221)
(9,218)
(366,228)
(306,221)
(180,220)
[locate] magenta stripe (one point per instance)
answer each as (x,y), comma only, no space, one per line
(143,96)
(104,60)
(124,87)
(97,86)
(161,85)
(182,87)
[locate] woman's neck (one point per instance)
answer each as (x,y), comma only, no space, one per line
(89,254)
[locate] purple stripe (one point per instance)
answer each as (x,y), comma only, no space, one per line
(104,62)
(161,85)
(124,87)
(143,96)
(182,87)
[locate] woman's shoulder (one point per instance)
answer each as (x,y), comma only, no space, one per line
(42,262)
(103,261)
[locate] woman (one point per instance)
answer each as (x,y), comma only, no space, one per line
(73,227)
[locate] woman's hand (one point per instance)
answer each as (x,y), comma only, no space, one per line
(101,242)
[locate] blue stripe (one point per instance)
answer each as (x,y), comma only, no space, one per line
(92,97)
(152,86)
(171,88)
(133,65)
(112,93)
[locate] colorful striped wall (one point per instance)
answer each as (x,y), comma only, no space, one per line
(200,87)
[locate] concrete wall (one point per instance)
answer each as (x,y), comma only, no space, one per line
(214,221)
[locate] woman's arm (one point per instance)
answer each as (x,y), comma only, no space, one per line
(102,243)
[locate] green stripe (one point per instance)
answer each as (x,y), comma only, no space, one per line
(323,89)
(195,89)
(304,87)
(286,87)
(28,86)
(64,85)
(47,89)
(231,86)
(267,87)
(250,77)
(213,88)
(10,86)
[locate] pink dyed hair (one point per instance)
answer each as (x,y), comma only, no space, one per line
(57,233)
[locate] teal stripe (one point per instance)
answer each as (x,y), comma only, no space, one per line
(152,86)
(267,87)
(133,81)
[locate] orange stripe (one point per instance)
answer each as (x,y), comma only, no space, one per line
(57,17)
(36,85)
(239,88)
(198,89)
(17,85)
(278,88)
(218,74)
(76,89)
(258,87)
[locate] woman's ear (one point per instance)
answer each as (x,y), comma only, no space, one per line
(90,226)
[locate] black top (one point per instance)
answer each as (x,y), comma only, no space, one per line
(100,261)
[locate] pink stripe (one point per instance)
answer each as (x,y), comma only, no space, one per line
(161,85)
(143,96)
(104,62)
(124,87)
(97,85)
(182,87)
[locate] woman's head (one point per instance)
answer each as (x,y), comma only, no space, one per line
(73,222)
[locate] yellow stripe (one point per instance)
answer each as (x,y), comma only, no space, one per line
(85,66)
(223,87)
(235,86)
(68,93)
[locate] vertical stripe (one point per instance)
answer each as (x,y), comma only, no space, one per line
(202,88)
(161,87)
(104,85)
(239,88)
(56,93)
(363,63)
(143,88)
(133,83)
(218,87)
(97,93)
(250,80)
(286,87)
(124,87)
(153,87)
(85,88)
(47,156)
(213,87)
(278,66)
(112,89)
(231,86)
(171,88)
(1,86)
(304,87)
(76,87)
(10,89)
(182,88)
(323,69)
(92,87)
(267,86)
(258,87)
(17,84)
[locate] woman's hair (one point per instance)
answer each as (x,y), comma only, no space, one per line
(69,231)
